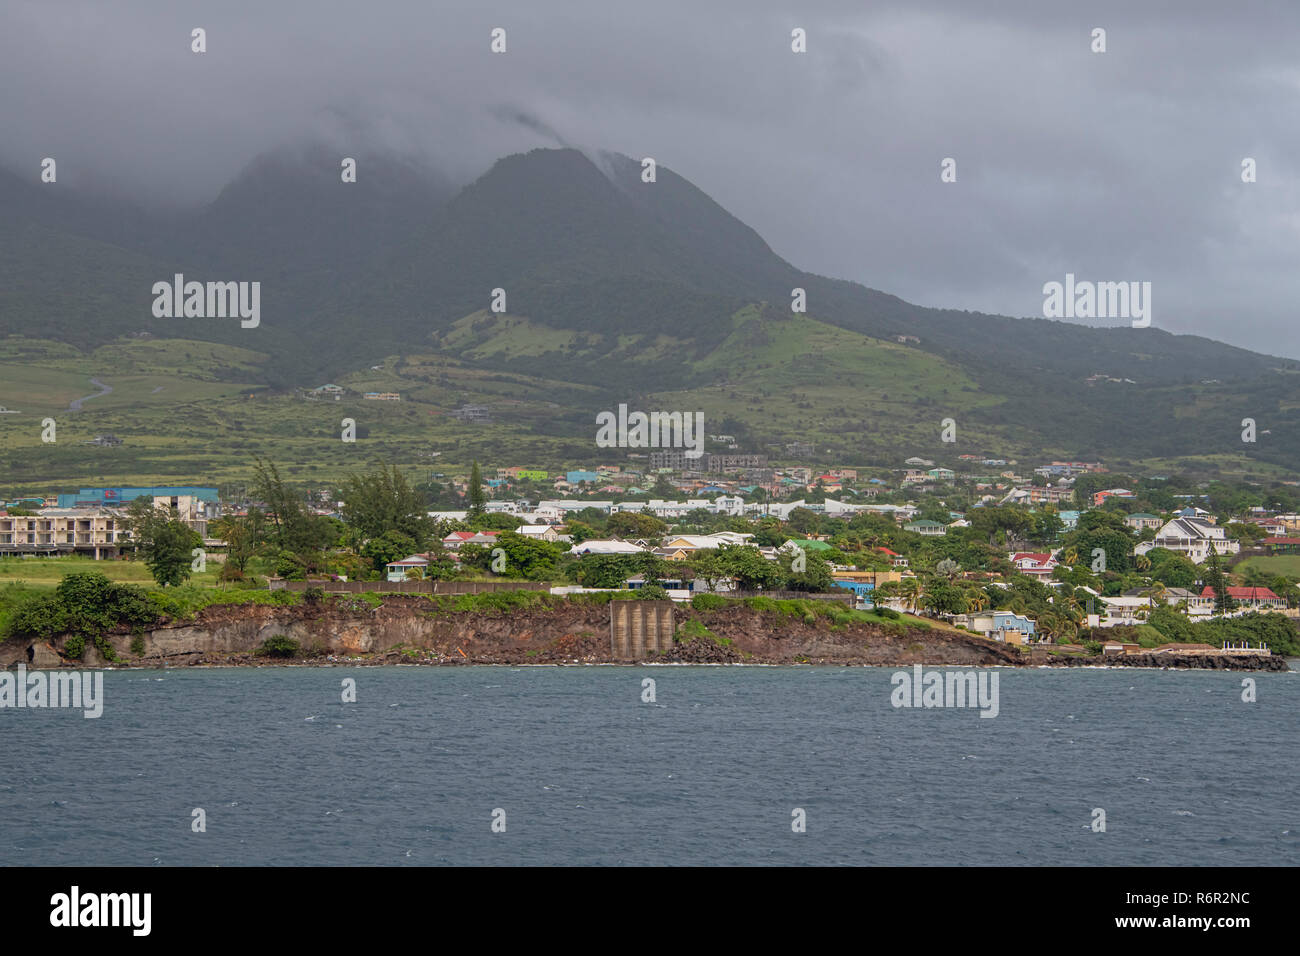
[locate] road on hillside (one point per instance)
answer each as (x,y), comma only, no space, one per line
(103,390)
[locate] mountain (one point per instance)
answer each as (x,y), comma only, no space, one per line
(618,290)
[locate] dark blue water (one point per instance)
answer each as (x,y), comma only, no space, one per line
(709,774)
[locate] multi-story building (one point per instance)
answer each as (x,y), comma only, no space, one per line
(1193,537)
(1006,626)
(196,506)
(54,531)
(717,464)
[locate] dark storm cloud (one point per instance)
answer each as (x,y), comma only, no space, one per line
(1123,165)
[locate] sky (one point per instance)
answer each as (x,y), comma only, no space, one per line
(1117,166)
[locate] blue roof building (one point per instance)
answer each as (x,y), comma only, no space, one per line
(108,497)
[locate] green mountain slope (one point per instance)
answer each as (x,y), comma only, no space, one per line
(616,290)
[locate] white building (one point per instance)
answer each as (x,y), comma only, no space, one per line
(1193,537)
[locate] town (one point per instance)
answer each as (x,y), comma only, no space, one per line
(1062,554)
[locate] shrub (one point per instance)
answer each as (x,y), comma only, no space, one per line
(708,602)
(278,646)
(692,630)
(313,595)
(137,644)
(75,646)
(651,592)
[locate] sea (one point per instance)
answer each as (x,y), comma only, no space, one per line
(578,765)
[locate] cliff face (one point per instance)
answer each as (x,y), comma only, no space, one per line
(408,629)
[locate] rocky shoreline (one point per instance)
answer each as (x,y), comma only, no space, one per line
(408,630)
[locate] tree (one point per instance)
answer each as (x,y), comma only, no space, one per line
(1223,601)
(499,521)
(709,566)
(803,520)
(528,557)
(816,575)
(1172,569)
(388,547)
(1256,577)
(384,501)
(285,507)
(477,500)
(243,536)
(1285,588)
(164,541)
(948,569)
(885,592)
(910,591)
(945,598)
(752,571)
(603,570)
(629,524)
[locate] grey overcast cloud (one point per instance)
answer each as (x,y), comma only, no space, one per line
(1117,166)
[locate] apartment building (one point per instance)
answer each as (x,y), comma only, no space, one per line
(59,531)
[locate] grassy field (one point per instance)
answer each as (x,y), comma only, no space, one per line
(1287,565)
(47,572)
(187,414)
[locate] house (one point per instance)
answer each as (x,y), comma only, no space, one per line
(684,545)
(1281,545)
(382,397)
(1069,519)
(326,391)
(1036,564)
(1050,494)
(538,532)
(1194,537)
(1100,497)
(896,559)
(577,477)
(408,567)
(929,528)
(1256,599)
(606,546)
(919,461)
(1005,626)
(1196,604)
(942,474)
(456,539)
(1125,610)
(1141,520)
(480,414)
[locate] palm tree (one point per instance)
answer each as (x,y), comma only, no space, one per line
(1255,578)
(948,568)
(1070,557)
(910,591)
(1142,562)
(977,599)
